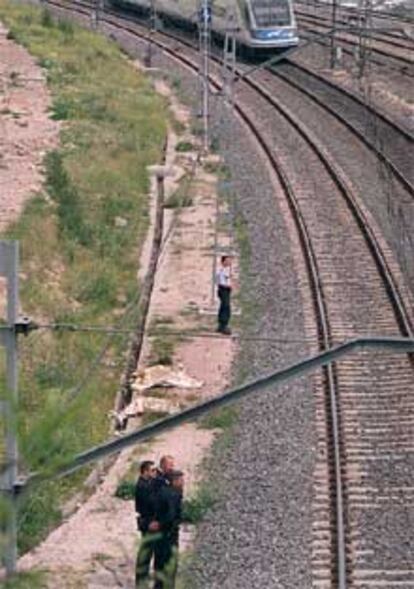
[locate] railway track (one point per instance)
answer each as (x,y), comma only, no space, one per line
(365,406)
(386,40)
(380,56)
(390,142)
(391,50)
(354,12)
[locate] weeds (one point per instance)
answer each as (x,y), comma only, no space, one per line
(221,419)
(27,580)
(162,351)
(181,197)
(125,490)
(195,508)
(184,146)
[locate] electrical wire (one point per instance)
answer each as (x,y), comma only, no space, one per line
(154,332)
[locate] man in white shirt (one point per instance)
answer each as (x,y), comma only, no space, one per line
(224,293)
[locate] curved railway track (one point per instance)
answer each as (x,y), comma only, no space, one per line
(385,39)
(381,56)
(349,11)
(365,406)
(390,142)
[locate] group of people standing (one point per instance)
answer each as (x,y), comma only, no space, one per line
(158,500)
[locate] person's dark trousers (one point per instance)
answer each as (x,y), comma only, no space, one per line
(224,313)
(146,551)
(165,562)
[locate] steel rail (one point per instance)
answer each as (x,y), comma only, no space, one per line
(401,178)
(381,15)
(387,38)
(392,344)
(375,111)
(394,62)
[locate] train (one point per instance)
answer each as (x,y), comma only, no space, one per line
(256,25)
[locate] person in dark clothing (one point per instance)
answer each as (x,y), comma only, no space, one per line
(224,294)
(147,525)
(168,514)
(166,466)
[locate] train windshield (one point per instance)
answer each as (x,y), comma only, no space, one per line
(268,13)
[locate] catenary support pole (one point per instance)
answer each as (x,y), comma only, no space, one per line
(205,38)
(9,258)
(333,36)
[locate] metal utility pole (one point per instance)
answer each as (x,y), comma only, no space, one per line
(205,41)
(333,35)
(96,13)
(229,61)
(365,27)
(152,31)
(9,257)
(228,78)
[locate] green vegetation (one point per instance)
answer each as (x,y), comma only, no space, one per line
(150,416)
(196,507)
(162,351)
(80,241)
(181,197)
(220,419)
(183,146)
(29,580)
(217,168)
(125,490)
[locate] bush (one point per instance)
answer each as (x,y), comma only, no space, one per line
(67,198)
(125,490)
(195,508)
(221,418)
(183,146)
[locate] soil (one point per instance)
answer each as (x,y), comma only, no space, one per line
(26,131)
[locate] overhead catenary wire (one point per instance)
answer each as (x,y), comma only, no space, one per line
(156,332)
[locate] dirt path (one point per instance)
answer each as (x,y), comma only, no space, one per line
(95,548)
(26,131)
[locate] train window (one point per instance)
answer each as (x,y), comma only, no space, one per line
(269,13)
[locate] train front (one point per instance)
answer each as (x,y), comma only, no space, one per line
(272,24)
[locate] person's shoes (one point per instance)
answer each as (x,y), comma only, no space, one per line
(224,330)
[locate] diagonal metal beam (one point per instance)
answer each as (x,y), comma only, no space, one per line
(391,344)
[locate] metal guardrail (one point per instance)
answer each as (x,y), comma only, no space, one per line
(392,344)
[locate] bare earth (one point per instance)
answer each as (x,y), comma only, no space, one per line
(26,131)
(95,548)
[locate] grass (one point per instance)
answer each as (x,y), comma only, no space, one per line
(223,418)
(77,264)
(27,580)
(183,146)
(162,351)
(195,508)
(181,197)
(125,490)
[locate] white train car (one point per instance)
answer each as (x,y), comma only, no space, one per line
(258,24)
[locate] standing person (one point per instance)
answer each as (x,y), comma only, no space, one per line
(224,293)
(167,464)
(168,515)
(147,525)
